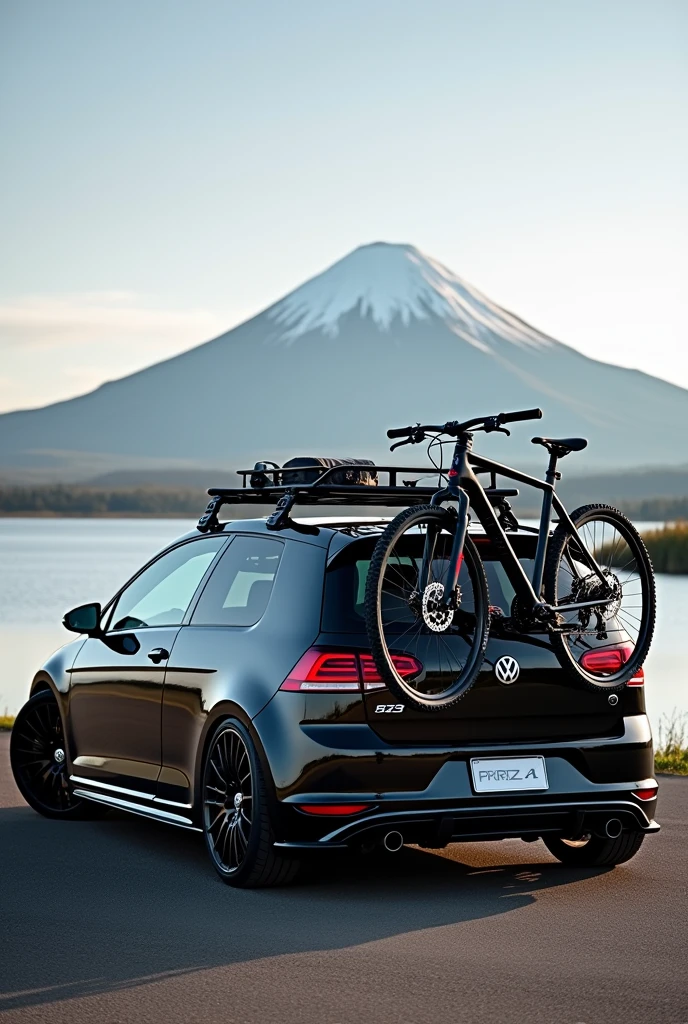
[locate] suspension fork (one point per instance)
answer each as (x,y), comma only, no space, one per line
(456,557)
(458,469)
(428,554)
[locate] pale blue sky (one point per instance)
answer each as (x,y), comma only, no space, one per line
(169,168)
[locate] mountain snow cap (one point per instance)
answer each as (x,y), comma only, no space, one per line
(393,285)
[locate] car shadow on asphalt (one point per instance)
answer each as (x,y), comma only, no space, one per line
(92,907)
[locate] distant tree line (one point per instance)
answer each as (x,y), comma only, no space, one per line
(659,509)
(65,500)
(75,500)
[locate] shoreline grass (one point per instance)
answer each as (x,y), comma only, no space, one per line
(668,548)
(671,750)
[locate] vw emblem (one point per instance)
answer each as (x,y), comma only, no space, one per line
(59,755)
(507,669)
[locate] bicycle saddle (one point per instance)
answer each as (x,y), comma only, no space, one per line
(561,446)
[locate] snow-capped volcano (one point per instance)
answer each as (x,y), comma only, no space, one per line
(385,337)
(398,283)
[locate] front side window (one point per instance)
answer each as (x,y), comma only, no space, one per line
(239,589)
(161,594)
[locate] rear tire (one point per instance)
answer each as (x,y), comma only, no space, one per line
(629,622)
(236,816)
(595,851)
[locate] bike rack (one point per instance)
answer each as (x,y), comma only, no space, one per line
(259,487)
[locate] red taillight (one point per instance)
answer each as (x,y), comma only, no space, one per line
(638,679)
(405,664)
(332,808)
(321,671)
(646,794)
(606,659)
(325,672)
(369,672)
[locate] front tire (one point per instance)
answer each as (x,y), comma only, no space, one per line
(39,763)
(428,655)
(594,851)
(236,817)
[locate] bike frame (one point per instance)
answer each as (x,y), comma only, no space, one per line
(465,488)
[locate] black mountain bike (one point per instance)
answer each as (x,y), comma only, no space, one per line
(592,586)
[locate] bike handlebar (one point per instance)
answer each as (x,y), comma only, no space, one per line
(454,428)
(401,431)
(524,414)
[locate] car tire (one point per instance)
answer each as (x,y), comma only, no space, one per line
(237,823)
(39,764)
(595,851)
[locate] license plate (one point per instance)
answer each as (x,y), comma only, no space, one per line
(507,774)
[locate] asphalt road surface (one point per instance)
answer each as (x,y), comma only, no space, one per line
(122,920)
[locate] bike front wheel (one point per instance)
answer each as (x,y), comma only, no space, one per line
(429,655)
(603,645)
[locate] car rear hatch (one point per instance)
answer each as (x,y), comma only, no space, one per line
(541,703)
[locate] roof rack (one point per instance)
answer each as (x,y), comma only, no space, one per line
(259,488)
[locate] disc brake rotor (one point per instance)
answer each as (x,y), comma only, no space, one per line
(436,616)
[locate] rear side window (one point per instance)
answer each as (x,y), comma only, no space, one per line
(239,589)
(345,583)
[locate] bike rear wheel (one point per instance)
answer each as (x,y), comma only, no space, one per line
(428,656)
(603,646)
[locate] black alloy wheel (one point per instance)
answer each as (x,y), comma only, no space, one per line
(236,821)
(39,763)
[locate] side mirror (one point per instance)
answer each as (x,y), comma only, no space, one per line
(84,619)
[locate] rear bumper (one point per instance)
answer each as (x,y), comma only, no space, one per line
(426,793)
(434,827)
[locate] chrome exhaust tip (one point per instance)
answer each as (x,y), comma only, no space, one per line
(613,828)
(393,841)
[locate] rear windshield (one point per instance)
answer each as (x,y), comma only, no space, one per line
(345,584)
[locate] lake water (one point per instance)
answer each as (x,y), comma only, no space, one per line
(50,565)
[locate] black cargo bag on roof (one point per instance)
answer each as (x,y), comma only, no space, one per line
(308,470)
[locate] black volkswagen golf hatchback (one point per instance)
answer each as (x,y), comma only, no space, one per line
(229,688)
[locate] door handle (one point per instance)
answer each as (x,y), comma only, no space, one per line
(158,654)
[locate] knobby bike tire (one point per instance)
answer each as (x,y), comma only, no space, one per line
(562,646)
(403,690)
